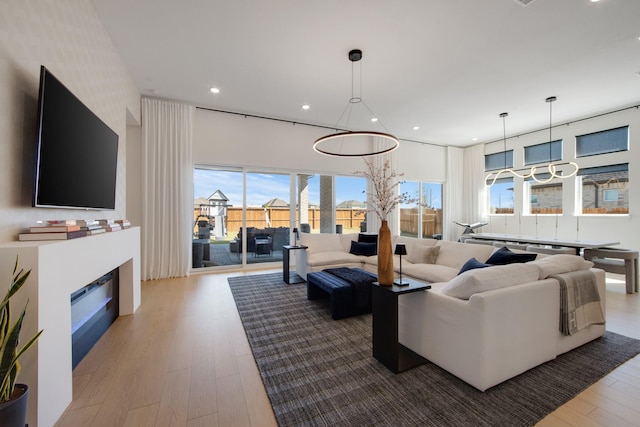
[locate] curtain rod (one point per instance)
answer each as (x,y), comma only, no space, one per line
(564,124)
(255,116)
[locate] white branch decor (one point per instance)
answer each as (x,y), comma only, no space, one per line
(385,182)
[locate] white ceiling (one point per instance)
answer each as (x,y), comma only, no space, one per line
(448,66)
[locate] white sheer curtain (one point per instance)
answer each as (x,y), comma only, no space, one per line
(454,193)
(167,187)
(474,190)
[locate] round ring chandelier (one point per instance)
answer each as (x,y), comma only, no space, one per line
(356,143)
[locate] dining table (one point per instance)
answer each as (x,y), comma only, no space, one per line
(577,244)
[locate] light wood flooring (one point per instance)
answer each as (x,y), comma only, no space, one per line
(183,360)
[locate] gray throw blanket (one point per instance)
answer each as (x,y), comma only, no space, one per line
(579,301)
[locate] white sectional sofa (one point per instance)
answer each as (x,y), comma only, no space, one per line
(333,250)
(485,325)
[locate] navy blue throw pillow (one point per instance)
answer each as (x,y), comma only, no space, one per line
(472,264)
(504,256)
(366,249)
(369,238)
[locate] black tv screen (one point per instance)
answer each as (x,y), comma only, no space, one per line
(77,153)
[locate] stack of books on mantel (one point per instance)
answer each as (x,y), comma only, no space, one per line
(109,225)
(70,228)
(92,226)
(124,223)
(53,230)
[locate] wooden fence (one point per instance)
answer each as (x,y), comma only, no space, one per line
(279,217)
(431,222)
(349,219)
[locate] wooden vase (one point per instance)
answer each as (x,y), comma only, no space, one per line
(385,255)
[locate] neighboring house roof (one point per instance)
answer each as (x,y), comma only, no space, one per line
(276,203)
(351,204)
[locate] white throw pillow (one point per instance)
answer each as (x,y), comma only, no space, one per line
(419,254)
(561,263)
(486,279)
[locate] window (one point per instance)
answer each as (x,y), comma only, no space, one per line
(501,196)
(606,141)
(351,203)
(423,217)
(545,152)
(545,198)
(605,189)
(497,161)
(431,209)
(610,195)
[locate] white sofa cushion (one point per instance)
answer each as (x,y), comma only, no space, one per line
(420,254)
(430,273)
(455,254)
(331,258)
(490,278)
(410,242)
(561,263)
(322,242)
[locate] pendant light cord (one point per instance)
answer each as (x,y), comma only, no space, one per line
(550,100)
(504,136)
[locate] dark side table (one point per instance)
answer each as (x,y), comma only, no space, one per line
(286,277)
(386,348)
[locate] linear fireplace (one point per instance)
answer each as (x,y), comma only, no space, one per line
(94,308)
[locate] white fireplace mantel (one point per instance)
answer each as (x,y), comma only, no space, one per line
(59,268)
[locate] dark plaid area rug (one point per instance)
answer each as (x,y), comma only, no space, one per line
(320,372)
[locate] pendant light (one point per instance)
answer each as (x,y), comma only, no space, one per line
(552,171)
(356,143)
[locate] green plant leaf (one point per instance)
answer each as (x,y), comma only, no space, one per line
(10,335)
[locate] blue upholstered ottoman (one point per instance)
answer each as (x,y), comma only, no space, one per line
(347,299)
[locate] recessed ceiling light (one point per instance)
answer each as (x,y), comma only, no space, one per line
(416,128)
(374,119)
(474,139)
(306,107)
(214,90)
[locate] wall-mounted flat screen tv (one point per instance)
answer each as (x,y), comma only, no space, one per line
(77,153)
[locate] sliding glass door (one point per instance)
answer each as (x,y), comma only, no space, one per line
(239,217)
(267,216)
(217,217)
(244,217)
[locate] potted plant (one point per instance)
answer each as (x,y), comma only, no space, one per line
(13,397)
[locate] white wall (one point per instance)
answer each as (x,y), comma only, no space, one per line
(134,174)
(69,39)
(232,140)
(625,228)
